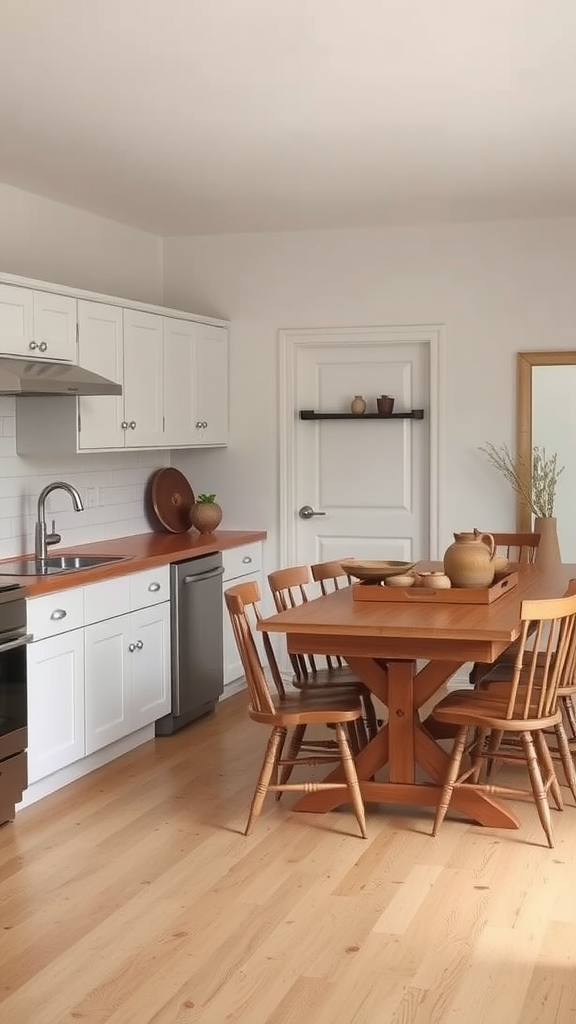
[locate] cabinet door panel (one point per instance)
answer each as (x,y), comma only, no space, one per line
(212,383)
(180,413)
(150,697)
(55,326)
(55,703)
(108,667)
(143,379)
(100,349)
(16,319)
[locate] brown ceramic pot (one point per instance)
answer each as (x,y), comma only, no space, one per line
(469,561)
(206,516)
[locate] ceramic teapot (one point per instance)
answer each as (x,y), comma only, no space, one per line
(469,561)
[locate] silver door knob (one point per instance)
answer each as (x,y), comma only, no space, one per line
(306,512)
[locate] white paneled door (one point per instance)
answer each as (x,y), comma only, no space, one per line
(368,479)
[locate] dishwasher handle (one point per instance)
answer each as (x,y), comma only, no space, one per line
(199,577)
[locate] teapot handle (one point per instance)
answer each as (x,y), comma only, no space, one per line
(488,539)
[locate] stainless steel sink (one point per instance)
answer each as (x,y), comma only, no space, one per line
(31,566)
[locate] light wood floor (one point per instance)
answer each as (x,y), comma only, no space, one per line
(131,897)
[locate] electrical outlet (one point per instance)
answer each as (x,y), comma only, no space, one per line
(91,497)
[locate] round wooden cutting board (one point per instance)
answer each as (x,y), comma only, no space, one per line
(172,498)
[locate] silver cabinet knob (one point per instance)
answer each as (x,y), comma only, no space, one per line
(131,648)
(139,645)
(43,346)
(132,424)
(307,512)
(199,425)
(246,560)
(124,425)
(33,345)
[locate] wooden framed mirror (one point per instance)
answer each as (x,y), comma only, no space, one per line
(546,417)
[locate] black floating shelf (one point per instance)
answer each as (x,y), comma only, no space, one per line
(309,414)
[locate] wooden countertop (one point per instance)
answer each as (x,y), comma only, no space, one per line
(141,551)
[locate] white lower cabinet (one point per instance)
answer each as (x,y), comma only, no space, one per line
(241,565)
(55,703)
(127,674)
(99,666)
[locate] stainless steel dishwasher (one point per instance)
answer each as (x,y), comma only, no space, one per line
(196,638)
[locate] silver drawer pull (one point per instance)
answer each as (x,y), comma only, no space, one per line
(154,587)
(57,614)
(246,560)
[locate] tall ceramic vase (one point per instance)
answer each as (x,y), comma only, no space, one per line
(548,550)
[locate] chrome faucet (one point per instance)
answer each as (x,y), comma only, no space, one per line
(43,539)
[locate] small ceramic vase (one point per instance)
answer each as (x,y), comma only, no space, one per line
(358,405)
(385,405)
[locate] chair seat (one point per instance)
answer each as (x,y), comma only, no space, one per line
(488,710)
(329,677)
(309,710)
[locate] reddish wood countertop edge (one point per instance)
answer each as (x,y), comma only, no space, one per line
(141,551)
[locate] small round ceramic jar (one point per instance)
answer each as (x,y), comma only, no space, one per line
(433,580)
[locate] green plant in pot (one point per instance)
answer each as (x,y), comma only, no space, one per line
(206,513)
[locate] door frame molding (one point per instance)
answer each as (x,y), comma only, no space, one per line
(291,340)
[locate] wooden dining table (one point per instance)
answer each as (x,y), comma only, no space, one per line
(385,643)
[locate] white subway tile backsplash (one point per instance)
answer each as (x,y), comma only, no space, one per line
(117,479)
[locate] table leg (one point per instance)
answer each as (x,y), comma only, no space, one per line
(403,744)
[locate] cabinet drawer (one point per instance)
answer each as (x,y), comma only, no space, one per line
(150,587)
(106,600)
(242,561)
(55,613)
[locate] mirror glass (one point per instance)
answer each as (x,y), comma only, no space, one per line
(547,419)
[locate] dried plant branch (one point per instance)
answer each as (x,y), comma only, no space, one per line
(536,483)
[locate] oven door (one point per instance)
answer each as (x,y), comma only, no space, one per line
(13,703)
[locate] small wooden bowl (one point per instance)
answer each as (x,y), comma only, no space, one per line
(400,581)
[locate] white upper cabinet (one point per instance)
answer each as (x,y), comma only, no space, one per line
(195,383)
(173,371)
(101,349)
(143,380)
(38,324)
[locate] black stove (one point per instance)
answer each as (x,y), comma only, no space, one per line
(13,700)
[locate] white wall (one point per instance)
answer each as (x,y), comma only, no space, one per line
(498,287)
(56,243)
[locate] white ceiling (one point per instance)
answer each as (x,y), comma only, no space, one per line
(200,116)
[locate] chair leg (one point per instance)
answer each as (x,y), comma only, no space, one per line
(476,755)
(351,776)
(566,757)
(537,786)
(293,751)
(269,765)
(568,708)
(546,762)
(451,776)
(493,744)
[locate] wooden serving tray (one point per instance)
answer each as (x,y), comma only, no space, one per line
(366,591)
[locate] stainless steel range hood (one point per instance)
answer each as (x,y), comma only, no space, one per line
(41,377)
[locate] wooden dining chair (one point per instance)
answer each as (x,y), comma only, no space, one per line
(519,548)
(282,712)
(330,575)
(290,587)
(529,706)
